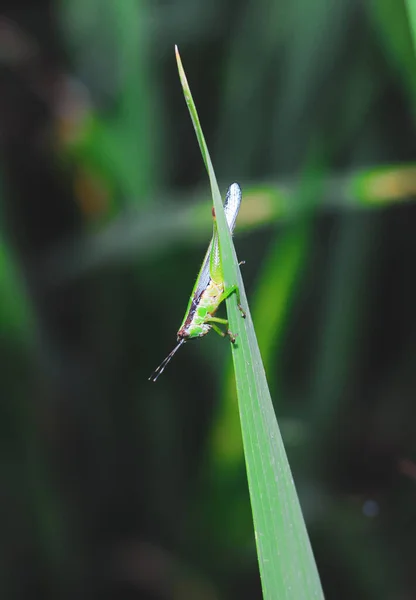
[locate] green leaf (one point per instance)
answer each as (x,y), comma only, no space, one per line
(411,13)
(287,565)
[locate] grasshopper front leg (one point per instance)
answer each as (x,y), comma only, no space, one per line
(212,322)
(222,333)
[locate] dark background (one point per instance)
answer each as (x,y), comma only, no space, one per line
(113,487)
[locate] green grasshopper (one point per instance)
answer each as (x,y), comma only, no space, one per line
(209,289)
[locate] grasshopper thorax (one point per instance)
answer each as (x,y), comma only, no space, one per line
(192,330)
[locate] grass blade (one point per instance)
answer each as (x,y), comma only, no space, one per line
(287,565)
(411,13)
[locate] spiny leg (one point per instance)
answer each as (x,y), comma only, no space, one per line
(231,290)
(222,333)
(210,319)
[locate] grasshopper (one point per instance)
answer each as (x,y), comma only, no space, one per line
(209,289)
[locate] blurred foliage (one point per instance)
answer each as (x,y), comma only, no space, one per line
(116,488)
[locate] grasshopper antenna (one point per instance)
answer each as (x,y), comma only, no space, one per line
(167,360)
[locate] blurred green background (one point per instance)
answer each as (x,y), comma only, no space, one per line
(113,487)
